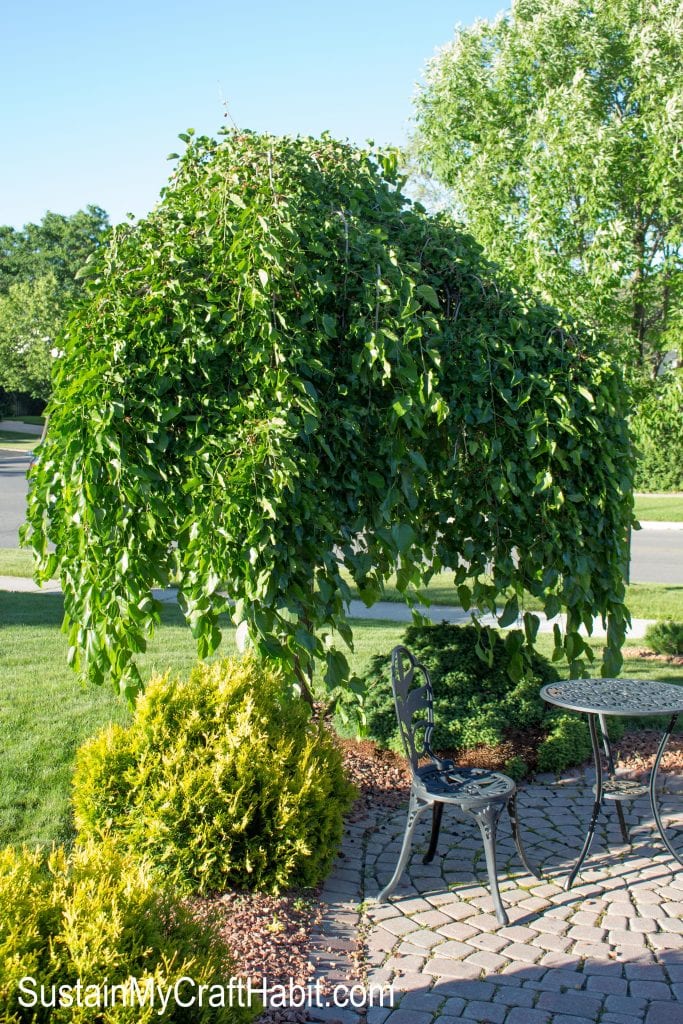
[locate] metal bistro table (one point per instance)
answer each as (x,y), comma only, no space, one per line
(597,698)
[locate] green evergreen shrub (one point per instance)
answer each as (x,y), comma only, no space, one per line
(221,779)
(568,743)
(474,703)
(657,433)
(99,917)
(665,637)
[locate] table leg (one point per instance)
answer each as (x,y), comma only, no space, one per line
(612,773)
(653,788)
(596,806)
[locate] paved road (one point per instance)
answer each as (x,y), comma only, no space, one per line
(657,555)
(13,466)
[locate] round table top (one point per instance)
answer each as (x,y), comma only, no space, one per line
(616,696)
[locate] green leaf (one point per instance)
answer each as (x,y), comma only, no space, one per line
(426,292)
(510,612)
(329,325)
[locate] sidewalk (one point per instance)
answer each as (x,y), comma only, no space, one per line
(385,610)
(609,951)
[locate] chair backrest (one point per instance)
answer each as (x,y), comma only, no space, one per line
(414,700)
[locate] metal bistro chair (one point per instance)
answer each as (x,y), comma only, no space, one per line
(481,793)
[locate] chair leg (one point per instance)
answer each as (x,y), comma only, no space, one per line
(415,809)
(437,814)
(512,811)
(487,819)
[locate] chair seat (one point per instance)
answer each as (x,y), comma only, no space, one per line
(468,787)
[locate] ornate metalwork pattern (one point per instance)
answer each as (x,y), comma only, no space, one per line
(623,789)
(616,696)
(479,792)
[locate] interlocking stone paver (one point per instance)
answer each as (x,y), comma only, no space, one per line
(452,948)
(377,1014)
(523,1015)
(625,1004)
(523,952)
(413,981)
(405,964)
(620,1018)
(460,931)
(400,925)
(580,1004)
(586,933)
(411,949)
(667,940)
(663,1013)
(651,990)
(421,1001)
(453,1006)
(559,979)
(610,950)
(519,933)
(621,937)
(514,996)
(553,943)
(487,1013)
(607,984)
(431,919)
(488,962)
(411,1016)
(442,968)
(425,939)
(484,940)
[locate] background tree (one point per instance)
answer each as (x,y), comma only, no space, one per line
(31,313)
(39,268)
(558,128)
(58,245)
(286,372)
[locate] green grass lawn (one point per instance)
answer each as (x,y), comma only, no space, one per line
(645,600)
(659,508)
(36,421)
(46,713)
(14,441)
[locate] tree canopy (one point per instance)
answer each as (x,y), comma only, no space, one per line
(59,245)
(31,314)
(287,371)
(558,129)
(39,268)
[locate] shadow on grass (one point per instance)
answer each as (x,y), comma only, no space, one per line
(17,609)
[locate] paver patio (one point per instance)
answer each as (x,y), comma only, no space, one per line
(610,950)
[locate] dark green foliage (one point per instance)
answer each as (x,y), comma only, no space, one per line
(59,246)
(97,917)
(567,744)
(665,637)
(657,429)
(286,355)
(221,780)
(474,702)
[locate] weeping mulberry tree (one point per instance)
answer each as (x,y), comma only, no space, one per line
(288,369)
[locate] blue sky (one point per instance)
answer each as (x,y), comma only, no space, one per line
(95,94)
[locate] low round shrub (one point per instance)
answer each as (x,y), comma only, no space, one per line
(665,637)
(474,703)
(567,743)
(90,921)
(221,779)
